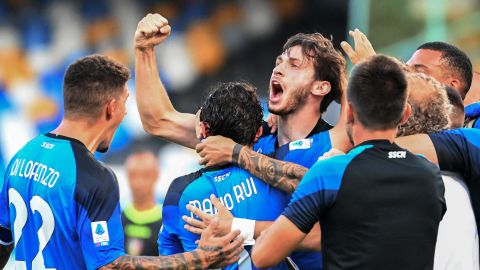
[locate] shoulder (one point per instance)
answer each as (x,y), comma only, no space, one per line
(178,186)
(96,187)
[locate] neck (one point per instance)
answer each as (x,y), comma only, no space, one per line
(142,204)
(361,134)
(88,132)
(298,124)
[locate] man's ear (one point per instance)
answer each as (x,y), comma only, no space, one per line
(203,130)
(456,84)
(321,88)
(110,109)
(406,114)
(350,114)
(258,134)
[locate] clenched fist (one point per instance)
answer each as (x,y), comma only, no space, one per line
(152,30)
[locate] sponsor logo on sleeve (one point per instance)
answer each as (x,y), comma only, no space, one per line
(100,233)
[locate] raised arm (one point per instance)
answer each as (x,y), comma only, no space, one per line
(279,174)
(157,113)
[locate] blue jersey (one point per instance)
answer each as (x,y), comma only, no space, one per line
(304,152)
(244,195)
(472,113)
(459,151)
(61,206)
(379,207)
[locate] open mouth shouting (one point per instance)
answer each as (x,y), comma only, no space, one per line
(276,91)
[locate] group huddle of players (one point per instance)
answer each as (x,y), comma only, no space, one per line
(293,193)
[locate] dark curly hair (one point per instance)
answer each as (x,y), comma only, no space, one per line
(430,106)
(233,110)
(90,83)
(329,64)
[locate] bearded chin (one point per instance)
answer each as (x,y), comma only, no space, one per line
(296,101)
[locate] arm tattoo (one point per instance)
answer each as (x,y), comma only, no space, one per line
(181,261)
(5,252)
(280,174)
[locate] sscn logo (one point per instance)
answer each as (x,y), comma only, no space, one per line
(397,154)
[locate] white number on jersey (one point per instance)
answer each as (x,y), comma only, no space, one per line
(45,232)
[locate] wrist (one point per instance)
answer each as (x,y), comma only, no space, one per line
(247,229)
(236,153)
(144,50)
(200,257)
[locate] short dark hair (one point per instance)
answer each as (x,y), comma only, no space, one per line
(233,110)
(329,64)
(457,115)
(456,60)
(90,83)
(377,91)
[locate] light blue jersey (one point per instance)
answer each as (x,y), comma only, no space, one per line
(61,205)
(244,195)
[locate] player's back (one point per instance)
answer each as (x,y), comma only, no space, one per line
(244,195)
(60,202)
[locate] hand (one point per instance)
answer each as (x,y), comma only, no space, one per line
(272,122)
(220,251)
(215,150)
(199,226)
(333,152)
(363,47)
(151,31)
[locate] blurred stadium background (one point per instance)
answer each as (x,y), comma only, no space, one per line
(211,41)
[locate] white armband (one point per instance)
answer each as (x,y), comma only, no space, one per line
(247,229)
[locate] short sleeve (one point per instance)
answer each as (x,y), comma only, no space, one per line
(99,224)
(168,242)
(316,193)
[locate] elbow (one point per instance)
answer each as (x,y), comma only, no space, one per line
(261,259)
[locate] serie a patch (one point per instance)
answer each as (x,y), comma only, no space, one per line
(100,233)
(300,144)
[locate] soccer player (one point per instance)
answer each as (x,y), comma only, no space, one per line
(308,76)
(444,62)
(232,110)
(142,218)
(379,206)
(457,240)
(59,206)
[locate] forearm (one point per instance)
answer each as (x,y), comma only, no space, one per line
(313,239)
(261,226)
(5,252)
(279,174)
(188,260)
(157,113)
(152,100)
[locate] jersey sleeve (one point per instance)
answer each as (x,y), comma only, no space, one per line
(316,193)
(197,194)
(454,149)
(99,225)
(168,241)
